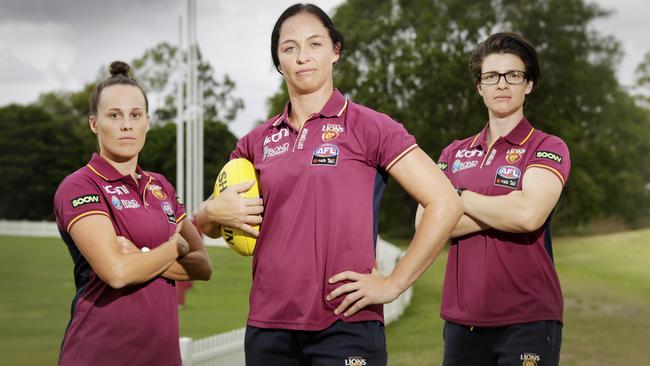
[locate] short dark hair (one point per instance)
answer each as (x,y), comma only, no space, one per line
(335,35)
(506,42)
(119,76)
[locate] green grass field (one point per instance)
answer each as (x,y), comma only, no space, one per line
(606,283)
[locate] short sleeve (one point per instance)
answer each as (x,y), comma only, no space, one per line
(77,197)
(552,154)
(243,149)
(387,141)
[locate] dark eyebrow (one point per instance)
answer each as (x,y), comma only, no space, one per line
(310,37)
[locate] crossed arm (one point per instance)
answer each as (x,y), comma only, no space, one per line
(517,212)
(119,263)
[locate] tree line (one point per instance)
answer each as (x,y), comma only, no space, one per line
(44,141)
(409,59)
(406,58)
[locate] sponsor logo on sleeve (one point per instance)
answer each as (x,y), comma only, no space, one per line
(157,192)
(507,176)
(513,155)
(549,155)
(331,131)
(325,154)
(303,137)
(167,209)
(458,165)
(179,200)
(442,165)
(84,200)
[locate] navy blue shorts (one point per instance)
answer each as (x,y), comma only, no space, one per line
(527,344)
(341,344)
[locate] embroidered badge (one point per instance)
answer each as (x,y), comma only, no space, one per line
(325,154)
(507,176)
(513,155)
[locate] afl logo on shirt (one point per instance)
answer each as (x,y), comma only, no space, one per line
(116,202)
(325,154)
(507,176)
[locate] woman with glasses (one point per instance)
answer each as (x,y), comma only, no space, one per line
(501,300)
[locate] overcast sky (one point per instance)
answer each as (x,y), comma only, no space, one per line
(61,44)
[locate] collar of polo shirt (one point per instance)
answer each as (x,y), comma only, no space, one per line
(334,107)
(106,171)
(518,136)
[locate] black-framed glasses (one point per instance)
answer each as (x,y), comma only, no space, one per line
(512,77)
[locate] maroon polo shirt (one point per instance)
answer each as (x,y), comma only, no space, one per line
(496,278)
(321,188)
(135,325)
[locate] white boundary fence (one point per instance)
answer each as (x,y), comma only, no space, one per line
(44,229)
(225,349)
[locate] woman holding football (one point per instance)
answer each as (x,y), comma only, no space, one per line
(323,163)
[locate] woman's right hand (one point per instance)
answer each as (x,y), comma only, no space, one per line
(231,209)
(182,247)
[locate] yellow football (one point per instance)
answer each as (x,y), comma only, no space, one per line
(234,172)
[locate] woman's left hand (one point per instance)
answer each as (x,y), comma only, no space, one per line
(362,290)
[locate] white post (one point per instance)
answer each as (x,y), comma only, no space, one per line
(180,136)
(186,350)
(200,193)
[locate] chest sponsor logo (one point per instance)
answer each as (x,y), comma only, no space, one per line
(116,202)
(157,192)
(169,211)
(331,131)
(513,155)
(325,154)
(276,137)
(355,361)
(507,176)
(458,165)
(529,359)
(303,137)
(442,165)
(84,200)
(120,204)
(476,153)
(549,155)
(270,152)
(119,190)
(491,157)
